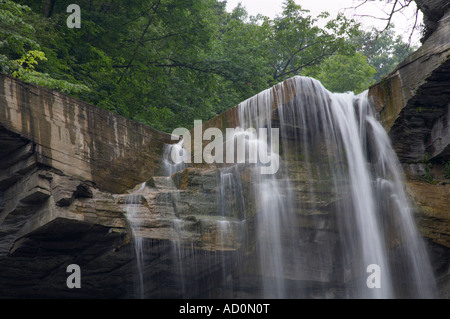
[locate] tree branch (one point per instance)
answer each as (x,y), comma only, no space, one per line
(397,6)
(150,20)
(175,63)
(414,26)
(284,73)
(49,6)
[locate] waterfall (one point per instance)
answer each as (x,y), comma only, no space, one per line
(169,166)
(419,276)
(232,222)
(133,202)
(333,221)
(346,153)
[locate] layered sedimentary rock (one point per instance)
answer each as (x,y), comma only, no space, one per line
(61,161)
(413,104)
(74,138)
(62,203)
(66,171)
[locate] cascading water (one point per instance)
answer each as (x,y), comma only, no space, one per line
(232,222)
(335,207)
(134,218)
(345,152)
(391,196)
(170,167)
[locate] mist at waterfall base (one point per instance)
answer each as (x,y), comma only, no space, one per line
(336,206)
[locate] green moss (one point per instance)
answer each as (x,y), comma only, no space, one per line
(428,177)
(446,169)
(151,183)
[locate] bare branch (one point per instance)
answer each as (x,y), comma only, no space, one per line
(370,16)
(356,7)
(175,63)
(414,27)
(390,17)
(395,7)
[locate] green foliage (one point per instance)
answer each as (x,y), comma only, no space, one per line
(297,42)
(21,49)
(447,170)
(25,70)
(383,51)
(428,166)
(16,34)
(168,62)
(342,73)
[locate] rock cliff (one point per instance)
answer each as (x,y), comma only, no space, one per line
(413,104)
(61,161)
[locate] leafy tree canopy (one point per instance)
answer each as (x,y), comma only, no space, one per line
(168,62)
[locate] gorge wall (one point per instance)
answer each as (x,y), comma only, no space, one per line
(413,104)
(60,161)
(67,170)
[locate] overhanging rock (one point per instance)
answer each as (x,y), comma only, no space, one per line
(413,102)
(61,162)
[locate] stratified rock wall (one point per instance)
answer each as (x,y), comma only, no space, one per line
(77,139)
(61,161)
(413,104)
(413,101)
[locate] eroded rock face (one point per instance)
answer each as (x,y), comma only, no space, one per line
(433,11)
(77,139)
(49,221)
(413,101)
(191,246)
(61,161)
(413,104)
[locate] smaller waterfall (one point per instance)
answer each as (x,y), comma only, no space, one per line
(231,196)
(231,225)
(413,262)
(178,253)
(134,218)
(170,166)
(275,220)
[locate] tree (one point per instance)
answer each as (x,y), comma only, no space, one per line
(168,62)
(343,73)
(16,34)
(393,8)
(20,48)
(297,43)
(141,59)
(383,51)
